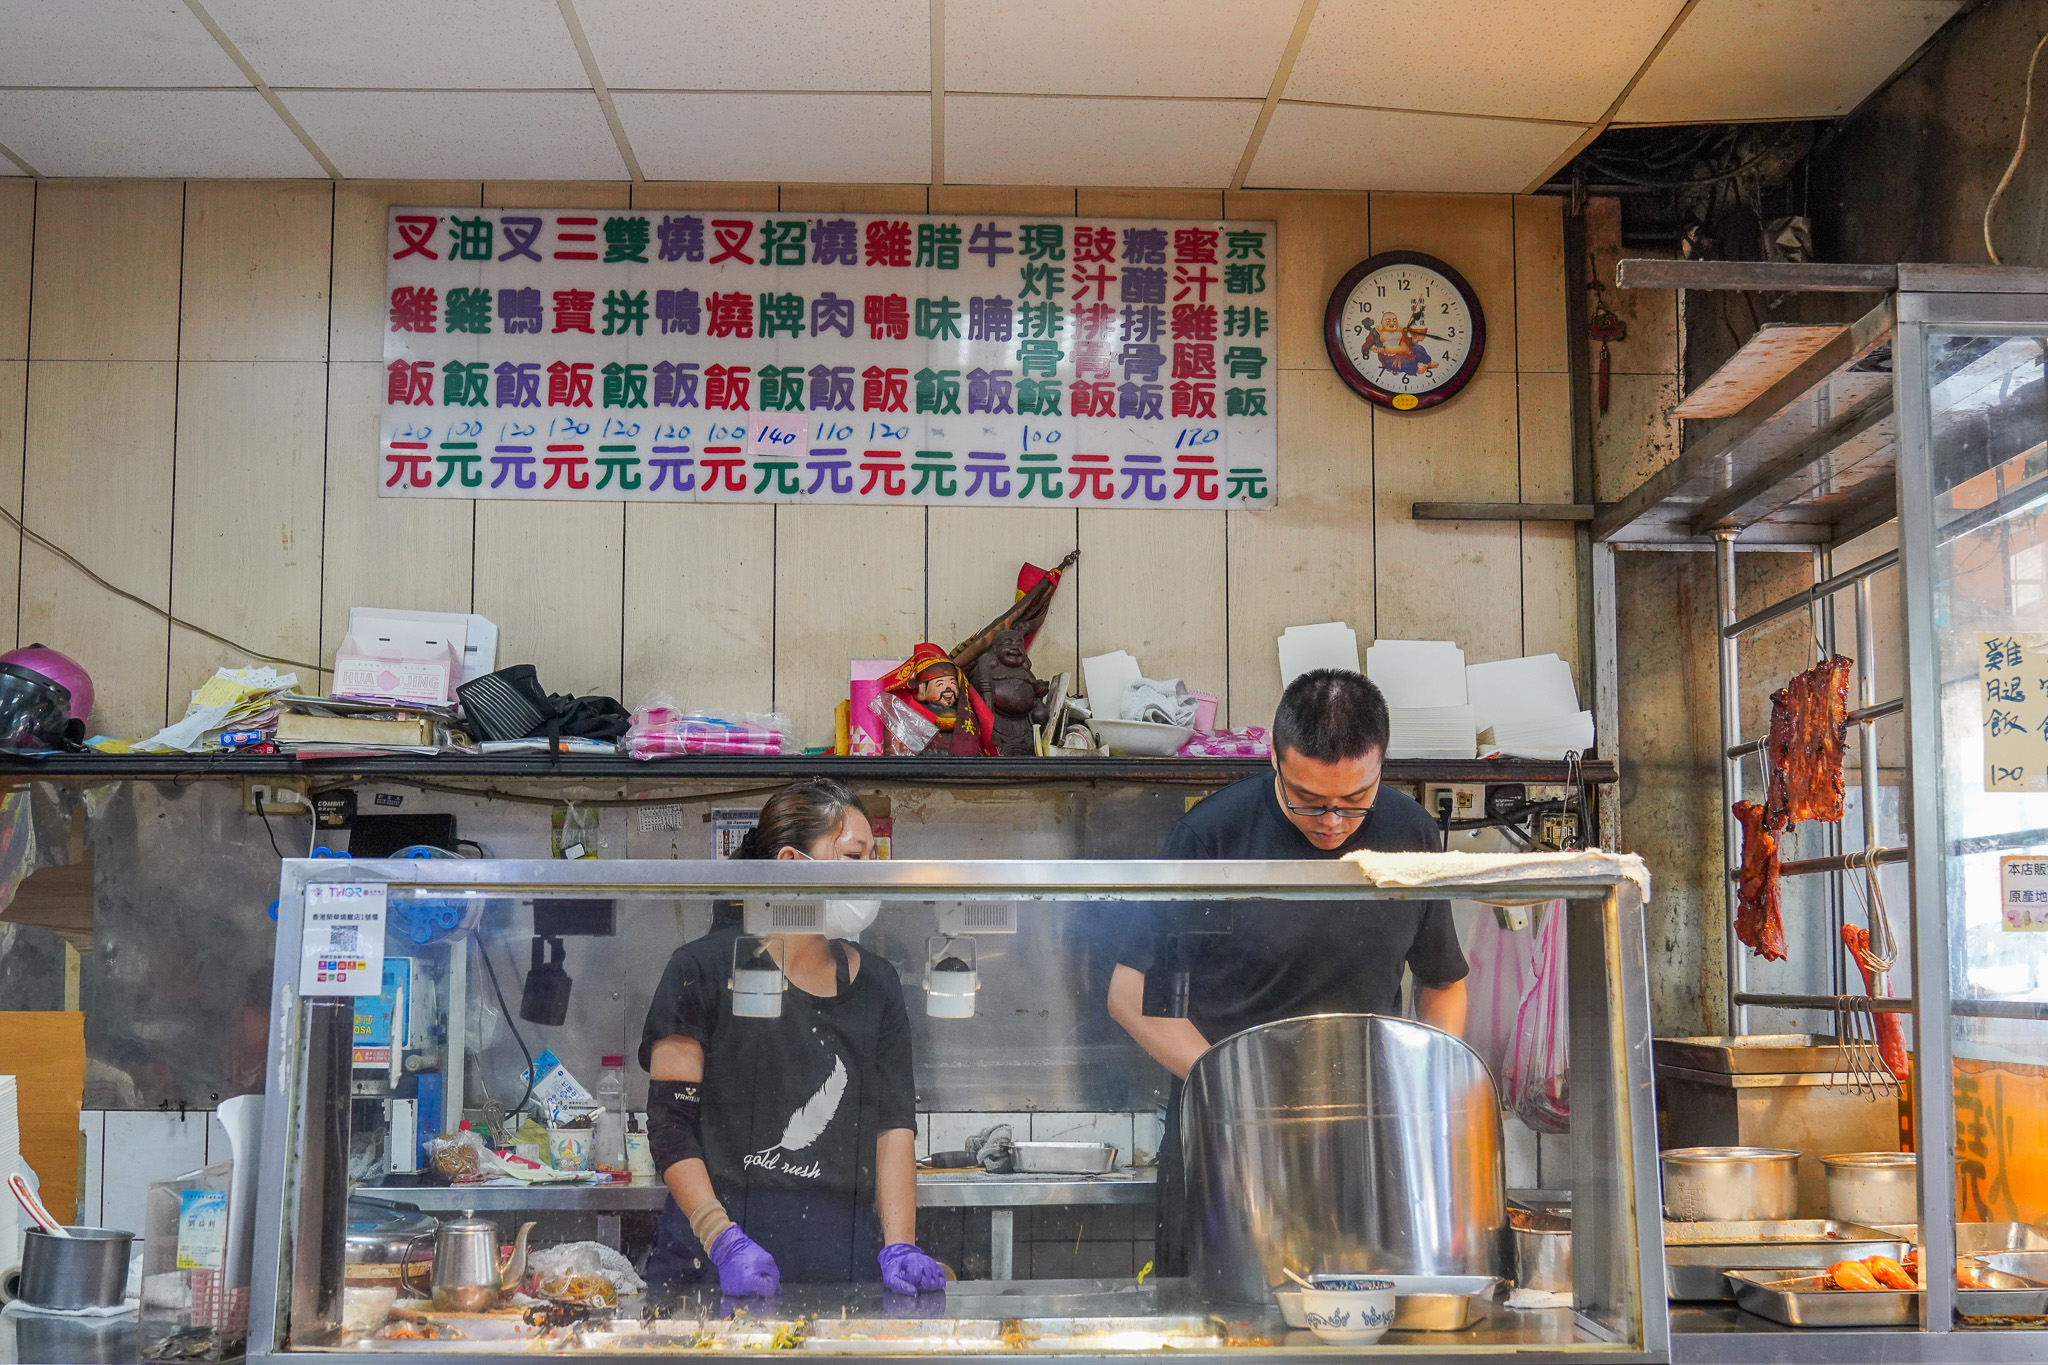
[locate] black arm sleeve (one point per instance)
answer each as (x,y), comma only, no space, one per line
(898,1105)
(1142,922)
(673,1110)
(1435,957)
(686,1002)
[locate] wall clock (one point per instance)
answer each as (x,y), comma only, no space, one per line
(1404,330)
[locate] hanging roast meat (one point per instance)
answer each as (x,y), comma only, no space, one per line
(1809,729)
(1757,921)
(1891,1033)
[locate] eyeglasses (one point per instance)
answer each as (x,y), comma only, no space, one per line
(1318,812)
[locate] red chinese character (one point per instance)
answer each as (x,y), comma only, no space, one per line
(572,465)
(1198,472)
(732,235)
(1094,244)
(887,316)
(1092,357)
(1194,321)
(1198,280)
(888,242)
(1092,472)
(878,467)
(582,255)
(728,465)
(569,385)
(883,390)
(1193,400)
(415,309)
(1092,321)
(417,232)
(1099,278)
(727,386)
(416,469)
(1194,360)
(410,383)
(572,309)
(732,315)
(1195,246)
(1092,400)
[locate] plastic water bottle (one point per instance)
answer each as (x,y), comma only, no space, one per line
(608,1142)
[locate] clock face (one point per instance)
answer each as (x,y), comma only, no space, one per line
(1404,330)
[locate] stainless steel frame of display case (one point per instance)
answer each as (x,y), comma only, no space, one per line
(297,1280)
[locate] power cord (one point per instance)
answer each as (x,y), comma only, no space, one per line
(2019,150)
(483,953)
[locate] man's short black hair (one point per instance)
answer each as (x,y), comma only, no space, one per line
(1330,715)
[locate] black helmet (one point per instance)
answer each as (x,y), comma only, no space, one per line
(35,713)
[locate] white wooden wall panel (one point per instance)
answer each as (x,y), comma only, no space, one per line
(1541,342)
(1119,203)
(1311,558)
(700,605)
(676,194)
(17,247)
(852,199)
(971,575)
(106,270)
(361,208)
(13,403)
(381,552)
(1055,201)
(1474,234)
(1550,596)
(256,270)
(849,584)
(1154,585)
(246,542)
(141,1148)
(97,481)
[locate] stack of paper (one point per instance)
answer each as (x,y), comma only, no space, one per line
(1424,684)
(232,700)
(1528,708)
(1109,676)
(1303,649)
(10,1160)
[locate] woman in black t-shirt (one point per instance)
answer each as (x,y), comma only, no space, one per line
(798,1129)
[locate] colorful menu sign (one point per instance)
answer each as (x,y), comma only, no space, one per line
(884,360)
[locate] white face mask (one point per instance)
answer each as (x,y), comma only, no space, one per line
(846,918)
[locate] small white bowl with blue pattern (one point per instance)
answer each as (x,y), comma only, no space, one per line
(1348,1310)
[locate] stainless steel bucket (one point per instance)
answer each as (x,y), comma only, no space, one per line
(88,1269)
(1341,1142)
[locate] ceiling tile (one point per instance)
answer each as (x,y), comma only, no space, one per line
(1317,147)
(109,42)
(460,134)
(149,133)
(1736,60)
(404,44)
(840,138)
(1011,140)
(761,44)
(1556,59)
(1190,48)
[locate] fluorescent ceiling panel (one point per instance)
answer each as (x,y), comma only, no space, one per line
(761,44)
(109,43)
(206,134)
(404,44)
(840,138)
(1317,147)
(1542,59)
(460,134)
(1006,140)
(1738,60)
(1189,48)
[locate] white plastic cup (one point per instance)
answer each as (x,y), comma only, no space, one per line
(569,1148)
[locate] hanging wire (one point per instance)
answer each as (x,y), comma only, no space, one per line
(2019,150)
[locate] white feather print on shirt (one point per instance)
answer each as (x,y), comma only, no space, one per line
(807,1124)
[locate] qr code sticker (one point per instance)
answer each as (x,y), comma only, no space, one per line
(342,938)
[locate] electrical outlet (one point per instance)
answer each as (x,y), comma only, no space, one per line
(284,796)
(1467,800)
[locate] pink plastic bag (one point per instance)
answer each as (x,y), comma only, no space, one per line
(1503,963)
(1537,1086)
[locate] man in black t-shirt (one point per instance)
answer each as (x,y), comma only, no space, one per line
(1281,961)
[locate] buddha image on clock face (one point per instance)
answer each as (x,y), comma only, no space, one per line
(1399,347)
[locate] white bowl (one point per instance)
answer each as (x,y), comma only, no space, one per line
(1142,738)
(1350,1317)
(1291,1311)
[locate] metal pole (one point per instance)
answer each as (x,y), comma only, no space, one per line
(1866,696)
(1838,891)
(1731,769)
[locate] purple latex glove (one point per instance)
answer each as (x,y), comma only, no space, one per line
(743,1267)
(906,1270)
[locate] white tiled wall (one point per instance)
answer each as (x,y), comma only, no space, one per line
(127,1151)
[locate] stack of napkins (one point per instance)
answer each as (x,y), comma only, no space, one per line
(1528,708)
(1424,684)
(10,1159)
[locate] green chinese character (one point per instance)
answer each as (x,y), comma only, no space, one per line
(472,239)
(1042,242)
(938,319)
(782,388)
(1040,319)
(623,311)
(1047,281)
(1242,245)
(1249,483)
(625,239)
(938,246)
(469,310)
(625,386)
(782,473)
(1040,358)
(1040,466)
(1244,322)
(1245,362)
(782,313)
(782,242)
(933,466)
(1244,279)
(938,391)
(1244,402)
(465,386)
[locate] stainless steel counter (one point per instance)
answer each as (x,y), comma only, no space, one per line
(935,1190)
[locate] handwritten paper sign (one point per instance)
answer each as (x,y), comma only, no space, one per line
(2023,891)
(341,951)
(601,355)
(2013,671)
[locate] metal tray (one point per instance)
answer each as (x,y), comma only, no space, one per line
(1978,1239)
(1065,1158)
(1755,1054)
(1806,1301)
(1121,1334)
(1440,1303)
(896,1336)
(1697,1254)
(2006,1294)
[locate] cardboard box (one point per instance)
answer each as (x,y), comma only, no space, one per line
(293,728)
(403,656)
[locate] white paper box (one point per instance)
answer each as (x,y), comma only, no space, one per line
(401,656)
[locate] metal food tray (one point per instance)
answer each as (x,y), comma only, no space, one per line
(1440,1303)
(2007,1293)
(1697,1254)
(1757,1054)
(1065,1158)
(1978,1239)
(893,1336)
(1121,1334)
(1807,1301)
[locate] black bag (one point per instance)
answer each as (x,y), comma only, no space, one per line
(511,704)
(586,718)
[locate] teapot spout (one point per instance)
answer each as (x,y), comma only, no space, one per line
(515,1268)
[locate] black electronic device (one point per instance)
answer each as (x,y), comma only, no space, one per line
(380,836)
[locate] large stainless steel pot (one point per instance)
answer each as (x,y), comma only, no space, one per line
(1730,1184)
(1341,1142)
(1876,1189)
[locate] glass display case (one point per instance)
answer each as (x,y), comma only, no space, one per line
(1356,1146)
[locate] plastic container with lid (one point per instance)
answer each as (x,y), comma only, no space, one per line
(608,1141)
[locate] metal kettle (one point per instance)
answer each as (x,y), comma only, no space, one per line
(467,1275)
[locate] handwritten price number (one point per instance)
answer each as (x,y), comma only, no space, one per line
(409,432)
(568,426)
(833,431)
(776,437)
(1041,436)
(1197,436)
(615,426)
(669,432)
(884,431)
(465,431)
(722,432)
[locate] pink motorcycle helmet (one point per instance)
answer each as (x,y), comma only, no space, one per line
(60,669)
